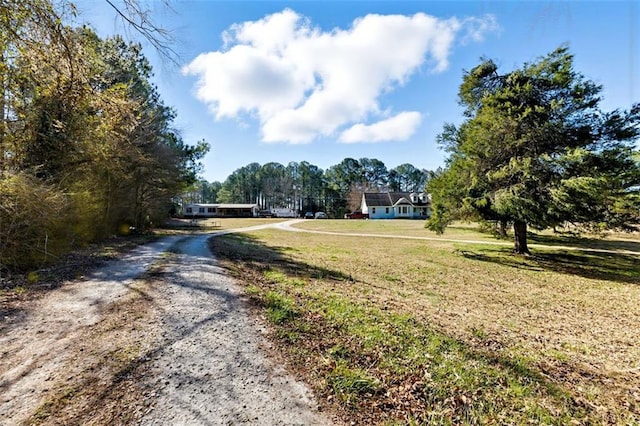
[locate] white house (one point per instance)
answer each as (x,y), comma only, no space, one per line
(220,210)
(396,205)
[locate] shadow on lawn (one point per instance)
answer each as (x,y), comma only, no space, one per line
(252,255)
(587,243)
(617,267)
(245,248)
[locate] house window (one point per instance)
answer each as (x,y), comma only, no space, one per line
(201,210)
(386,210)
(211,209)
(373,210)
(403,209)
(189,210)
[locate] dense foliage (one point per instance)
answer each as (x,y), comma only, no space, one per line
(535,149)
(305,187)
(86,144)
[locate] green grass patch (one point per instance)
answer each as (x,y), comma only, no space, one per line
(281,278)
(448,333)
(395,359)
(279,307)
(351,384)
(252,290)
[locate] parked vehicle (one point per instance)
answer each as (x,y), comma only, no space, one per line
(356,215)
(308,215)
(283,212)
(321,215)
(265,213)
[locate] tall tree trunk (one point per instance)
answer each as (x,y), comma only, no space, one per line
(520,232)
(3,118)
(502,228)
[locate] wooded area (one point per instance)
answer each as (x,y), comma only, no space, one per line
(86,144)
(306,187)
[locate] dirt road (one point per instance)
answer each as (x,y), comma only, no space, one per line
(212,369)
(177,347)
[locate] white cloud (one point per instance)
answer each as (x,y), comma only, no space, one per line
(397,128)
(476,28)
(301,82)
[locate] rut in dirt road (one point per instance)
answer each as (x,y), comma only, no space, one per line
(211,369)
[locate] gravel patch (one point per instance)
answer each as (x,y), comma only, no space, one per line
(37,342)
(202,362)
(211,369)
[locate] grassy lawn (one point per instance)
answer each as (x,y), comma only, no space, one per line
(394,331)
(471,231)
(174,226)
(414,228)
(238,222)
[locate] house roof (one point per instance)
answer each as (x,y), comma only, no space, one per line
(236,206)
(224,206)
(389,199)
(377,199)
(401,200)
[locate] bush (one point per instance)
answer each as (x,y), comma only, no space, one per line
(33,221)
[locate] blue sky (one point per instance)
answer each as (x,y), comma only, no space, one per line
(320,81)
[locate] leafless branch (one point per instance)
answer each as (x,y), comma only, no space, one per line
(138,18)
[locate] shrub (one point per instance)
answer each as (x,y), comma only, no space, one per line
(32,221)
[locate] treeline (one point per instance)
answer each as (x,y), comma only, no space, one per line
(306,187)
(86,144)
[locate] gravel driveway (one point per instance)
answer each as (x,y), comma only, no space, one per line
(212,369)
(204,355)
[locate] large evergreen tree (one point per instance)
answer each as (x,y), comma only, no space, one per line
(536,150)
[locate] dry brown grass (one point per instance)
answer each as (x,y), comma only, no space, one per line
(181,226)
(571,317)
(414,228)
